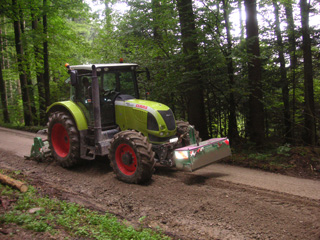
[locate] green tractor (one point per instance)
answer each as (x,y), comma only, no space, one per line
(105,117)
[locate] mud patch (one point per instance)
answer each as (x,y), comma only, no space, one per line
(184,206)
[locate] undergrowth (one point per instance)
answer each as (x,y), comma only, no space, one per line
(22,127)
(298,161)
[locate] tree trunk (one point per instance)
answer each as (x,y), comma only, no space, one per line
(22,75)
(293,60)
(3,93)
(208,101)
(156,13)
(192,81)
(240,20)
(46,76)
(39,74)
(28,72)
(256,115)
(233,127)
(283,76)
(309,111)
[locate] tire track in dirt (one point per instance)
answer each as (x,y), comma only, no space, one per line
(184,205)
(208,204)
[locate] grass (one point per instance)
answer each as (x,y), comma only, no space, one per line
(41,214)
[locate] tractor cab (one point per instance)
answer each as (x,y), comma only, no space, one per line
(115,82)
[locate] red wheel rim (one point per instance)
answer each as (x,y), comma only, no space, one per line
(125,168)
(60,140)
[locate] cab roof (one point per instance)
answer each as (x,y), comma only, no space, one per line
(103,65)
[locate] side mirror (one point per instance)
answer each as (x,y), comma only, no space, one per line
(73,76)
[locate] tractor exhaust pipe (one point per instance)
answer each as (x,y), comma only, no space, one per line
(96,107)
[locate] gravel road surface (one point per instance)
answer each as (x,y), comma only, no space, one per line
(216,202)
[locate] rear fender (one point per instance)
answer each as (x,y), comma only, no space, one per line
(73,109)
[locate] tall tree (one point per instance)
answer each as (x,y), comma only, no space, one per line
(156,13)
(256,113)
(39,73)
(240,19)
(46,75)
(233,127)
(193,82)
(309,110)
(283,75)
(22,74)
(3,93)
(293,58)
(27,69)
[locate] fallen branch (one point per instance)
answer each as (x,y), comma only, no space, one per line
(14,183)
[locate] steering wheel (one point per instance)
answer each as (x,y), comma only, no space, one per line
(106,93)
(110,94)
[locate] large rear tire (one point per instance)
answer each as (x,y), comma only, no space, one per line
(131,157)
(182,129)
(63,139)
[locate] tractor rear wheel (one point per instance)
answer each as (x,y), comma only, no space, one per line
(63,139)
(131,157)
(183,128)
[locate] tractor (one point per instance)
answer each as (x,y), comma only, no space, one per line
(105,117)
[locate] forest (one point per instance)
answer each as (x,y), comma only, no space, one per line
(246,69)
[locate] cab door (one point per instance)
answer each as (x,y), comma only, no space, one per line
(107,95)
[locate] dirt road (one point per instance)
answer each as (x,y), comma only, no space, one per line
(217,202)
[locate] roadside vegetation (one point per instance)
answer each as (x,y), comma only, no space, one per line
(22,127)
(30,214)
(298,161)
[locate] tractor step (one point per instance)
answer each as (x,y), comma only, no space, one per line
(196,156)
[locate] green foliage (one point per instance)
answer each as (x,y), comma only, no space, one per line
(19,126)
(285,149)
(259,156)
(150,34)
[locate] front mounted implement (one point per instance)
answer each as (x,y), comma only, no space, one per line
(201,154)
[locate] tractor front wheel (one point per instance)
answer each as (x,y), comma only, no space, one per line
(63,139)
(131,157)
(183,129)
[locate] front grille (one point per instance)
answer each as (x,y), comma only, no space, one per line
(168,119)
(152,123)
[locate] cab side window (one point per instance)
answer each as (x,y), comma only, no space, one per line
(109,82)
(86,87)
(126,83)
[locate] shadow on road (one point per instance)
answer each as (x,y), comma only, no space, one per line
(200,179)
(101,165)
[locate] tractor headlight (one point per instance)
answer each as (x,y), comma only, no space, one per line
(152,123)
(181,155)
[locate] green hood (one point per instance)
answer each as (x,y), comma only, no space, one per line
(141,114)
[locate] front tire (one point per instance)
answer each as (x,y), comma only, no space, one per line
(63,139)
(183,129)
(131,157)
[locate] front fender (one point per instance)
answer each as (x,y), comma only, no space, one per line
(73,109)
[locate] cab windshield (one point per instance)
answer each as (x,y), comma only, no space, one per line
(119,81)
